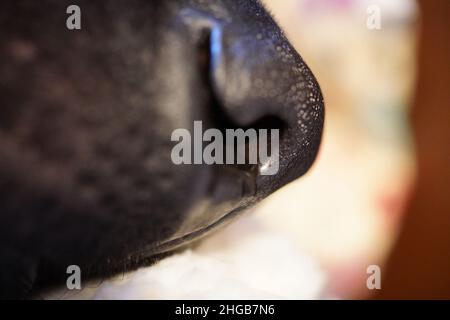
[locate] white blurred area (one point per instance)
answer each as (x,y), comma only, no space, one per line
(346,212)
(246,260)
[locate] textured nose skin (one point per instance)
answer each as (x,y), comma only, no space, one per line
(256,73)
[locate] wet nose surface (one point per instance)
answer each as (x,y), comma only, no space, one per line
(255,74)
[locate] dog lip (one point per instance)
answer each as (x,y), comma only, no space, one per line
(224,204)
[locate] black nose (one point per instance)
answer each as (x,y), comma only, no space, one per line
(258,80)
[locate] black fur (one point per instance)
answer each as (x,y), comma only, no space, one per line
(86,118)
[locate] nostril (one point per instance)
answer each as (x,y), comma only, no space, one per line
(270,122)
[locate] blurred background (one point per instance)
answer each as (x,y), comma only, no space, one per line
(379,191)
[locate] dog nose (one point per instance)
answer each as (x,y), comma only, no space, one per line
(258,80)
